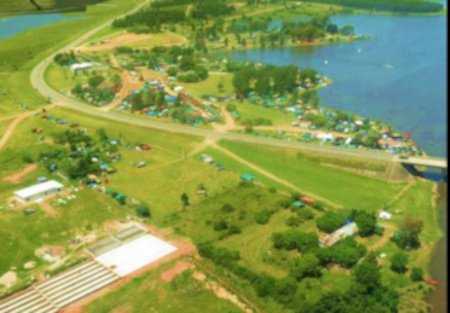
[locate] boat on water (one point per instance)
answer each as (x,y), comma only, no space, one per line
(388,66)
(325,62)
(359,50)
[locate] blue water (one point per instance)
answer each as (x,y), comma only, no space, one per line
(398,77)
(11,26)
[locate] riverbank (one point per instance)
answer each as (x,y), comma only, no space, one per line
(439,262)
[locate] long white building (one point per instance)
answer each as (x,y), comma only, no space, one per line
(37,192)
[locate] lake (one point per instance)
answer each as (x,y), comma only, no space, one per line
(11,26)
(398,77)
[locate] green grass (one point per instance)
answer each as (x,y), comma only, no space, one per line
(149,294)
(250,111)
(22,234)
(209,86)
(342,187)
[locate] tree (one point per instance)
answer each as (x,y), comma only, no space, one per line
(348,30)
(95,81)
(416,274)
(367,275)
(306,266)
(399,262)
(184,200)
(330,221)
(408,235)
(366,222)
(262,85)
(241,82)
(332,28)
(142,210)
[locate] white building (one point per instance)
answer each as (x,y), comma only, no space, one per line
(325,136)
(37,192)
(345,231)
(385,215)
(81,66)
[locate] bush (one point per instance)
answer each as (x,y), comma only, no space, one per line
(142,210)
(416,274)
(227,208)
(172,71)
(307,266)
(399,262)
(263,217)
(220,225)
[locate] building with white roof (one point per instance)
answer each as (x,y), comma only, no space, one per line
(81,66)
(345,231)
(37,192)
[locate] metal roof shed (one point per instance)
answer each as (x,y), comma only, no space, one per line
(38,191)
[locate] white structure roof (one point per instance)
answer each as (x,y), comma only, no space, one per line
(38,189)
(325,136)
(385,215)
(80,66)
(135,254)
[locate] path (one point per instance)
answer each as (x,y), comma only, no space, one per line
(17,178)
(387,235)
(272,176)
(49,209)
(12,127)
(221,292)
(229,122)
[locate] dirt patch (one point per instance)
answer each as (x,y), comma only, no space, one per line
(8,279)
(17,178)
(114,42)
(123,309)
(173,272)
(12,127)
(47,208)
(221,292)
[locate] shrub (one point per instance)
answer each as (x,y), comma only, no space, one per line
(263,217)
(142,210)
(416,274)
(399,262)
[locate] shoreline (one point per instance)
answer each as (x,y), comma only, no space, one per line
(438,261)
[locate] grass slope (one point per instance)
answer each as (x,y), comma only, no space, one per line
(348,189)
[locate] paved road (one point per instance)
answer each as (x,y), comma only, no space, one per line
(38,82)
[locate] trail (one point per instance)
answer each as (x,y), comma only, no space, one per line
(272,176)
(12,127)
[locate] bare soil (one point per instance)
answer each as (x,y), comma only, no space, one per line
(173,272)
(18,177)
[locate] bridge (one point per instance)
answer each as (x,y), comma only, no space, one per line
(433,162)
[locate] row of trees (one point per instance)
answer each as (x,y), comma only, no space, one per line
(366,293)
(400,6)
(270,79)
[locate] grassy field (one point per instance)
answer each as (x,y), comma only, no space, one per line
(150,294)
(342,187)
(22,234)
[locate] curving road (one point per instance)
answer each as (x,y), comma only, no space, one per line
(38,82)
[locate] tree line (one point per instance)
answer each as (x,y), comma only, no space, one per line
(399,6)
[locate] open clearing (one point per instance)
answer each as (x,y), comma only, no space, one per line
(133,40)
